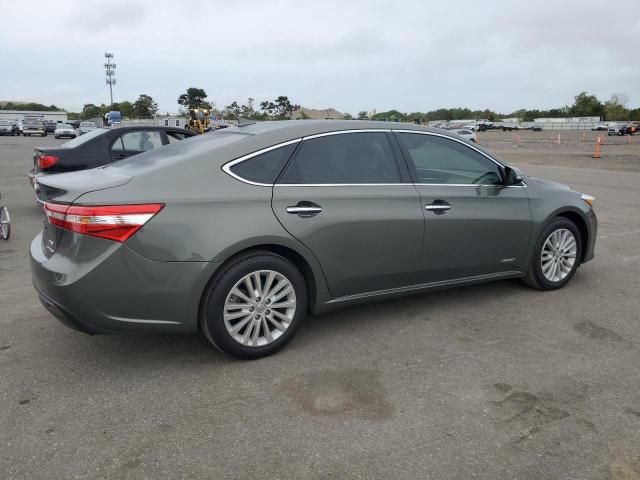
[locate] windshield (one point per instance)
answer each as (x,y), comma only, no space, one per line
(84,138)
(63,125)
(33,121)
(87,124)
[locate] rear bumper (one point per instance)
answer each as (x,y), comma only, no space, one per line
(104,287)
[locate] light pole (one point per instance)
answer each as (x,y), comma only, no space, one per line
(110,70)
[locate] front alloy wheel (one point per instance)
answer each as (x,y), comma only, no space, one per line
(5,223)
(556,255)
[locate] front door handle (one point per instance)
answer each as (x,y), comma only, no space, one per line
(305,209)
(438,207)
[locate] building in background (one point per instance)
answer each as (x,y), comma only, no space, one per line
(21,114)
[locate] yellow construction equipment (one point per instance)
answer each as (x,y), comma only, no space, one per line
(199,120)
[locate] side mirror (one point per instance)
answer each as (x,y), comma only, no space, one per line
(513,176)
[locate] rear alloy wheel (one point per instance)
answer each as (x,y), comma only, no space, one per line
(556,257)
(254,306)
(5,223)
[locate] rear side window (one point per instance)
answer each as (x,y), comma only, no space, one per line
(439,160)
(140,141)
(266,167)
(344,158)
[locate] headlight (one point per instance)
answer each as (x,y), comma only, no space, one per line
(589,199)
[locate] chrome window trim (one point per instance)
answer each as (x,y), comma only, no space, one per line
(226,168)
(340,132)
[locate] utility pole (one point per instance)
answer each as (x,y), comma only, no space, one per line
(110,70)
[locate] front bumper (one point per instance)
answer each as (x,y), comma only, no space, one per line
(592,228)
(98,286)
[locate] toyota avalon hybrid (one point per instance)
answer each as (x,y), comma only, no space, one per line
(242,233)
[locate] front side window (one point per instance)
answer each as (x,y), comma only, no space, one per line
(140,141)
(444,161)
(266,167)
(344,158)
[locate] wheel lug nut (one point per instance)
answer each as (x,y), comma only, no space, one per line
(268,312)
(258,298)
(267,301)
(258,316)
(252,308)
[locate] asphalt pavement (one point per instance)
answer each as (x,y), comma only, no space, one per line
(491,381)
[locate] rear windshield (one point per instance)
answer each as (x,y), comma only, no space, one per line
(34,121)
(84,138)
(87,124)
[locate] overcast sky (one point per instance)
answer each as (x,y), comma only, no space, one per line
(351,55)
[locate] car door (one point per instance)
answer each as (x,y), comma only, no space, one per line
(342,195)
(474,224)
(133,142)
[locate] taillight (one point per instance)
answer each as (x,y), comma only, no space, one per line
(113,222)
(47,161)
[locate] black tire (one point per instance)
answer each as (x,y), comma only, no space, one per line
(211,315)
(535,278)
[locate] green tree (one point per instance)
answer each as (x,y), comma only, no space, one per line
(233,111)
(303,115)
(347,116)
(363,115)
(616,107)
(90,111)
(126,109)
(586,105)
(194,98)
(144,106)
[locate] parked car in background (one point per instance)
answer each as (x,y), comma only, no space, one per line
(600,128)
(102,146)
(241,233)
(64,130)
(9,127)
(467,135)
(74,123)
(86,127)
(612,129)
(34,126)
(629,129)
(536,127)
(50,126)
(20,124)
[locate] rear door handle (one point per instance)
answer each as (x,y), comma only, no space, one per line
(305,209)
(438,207)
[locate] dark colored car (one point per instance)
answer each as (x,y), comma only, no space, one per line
(628,130)
(102,146)
(536,128)
(9,127)
(243,232)
(50,126)
(74,123)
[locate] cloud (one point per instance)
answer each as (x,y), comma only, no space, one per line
(354,55)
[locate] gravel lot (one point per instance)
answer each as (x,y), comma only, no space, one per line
(492,381)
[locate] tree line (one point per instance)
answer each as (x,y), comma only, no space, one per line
(584,105)
(144,106)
